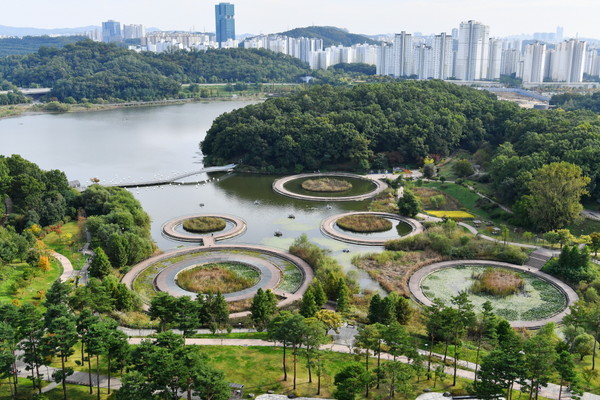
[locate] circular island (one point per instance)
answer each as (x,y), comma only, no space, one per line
(359,226)
(335,186)
(203,228)
(524,296)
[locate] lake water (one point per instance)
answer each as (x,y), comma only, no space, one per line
(140,144)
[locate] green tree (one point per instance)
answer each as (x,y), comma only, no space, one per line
(350,381)
(31,330)
(313,337)
(539,358)
(308,305)
(163,306)
(264,306)
(370,338)
(100,266)
(330,319)
(343,298)
(463,318)
(565,366)
(409,205)
(556,190)
(320,296)
(595,243)
(215,311)
(463,168)
(187,319)
(59,340)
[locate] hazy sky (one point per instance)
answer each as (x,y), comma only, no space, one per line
(505,17)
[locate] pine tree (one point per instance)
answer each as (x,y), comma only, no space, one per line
(308,307)
(320,296)
(100,266)
(343,299)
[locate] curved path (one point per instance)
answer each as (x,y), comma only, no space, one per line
(168,229)
(278,187)
(270,275)
(414,284)
(288,297)
(67,267)
(327,227)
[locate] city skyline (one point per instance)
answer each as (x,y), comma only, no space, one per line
(578,17)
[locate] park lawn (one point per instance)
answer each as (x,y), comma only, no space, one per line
(42,281)
(446,168)
(450,214)
(74,392)
(56,243)
(584,227)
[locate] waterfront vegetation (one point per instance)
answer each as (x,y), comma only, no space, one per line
(326,185)
(364,223)
(496,282)
(204,224)
(223,277)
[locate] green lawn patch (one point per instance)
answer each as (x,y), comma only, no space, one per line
(23,283)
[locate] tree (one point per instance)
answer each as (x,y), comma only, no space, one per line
(565,367)
(330,319)
(539,358)
(370,338)
(31,329)
(163,306)
(215,311)
(264,306)
(187,318)
(308,305)
(58,293)
(134,386)
(463,318)
(556,191)
(84,323)
(595,243)
(320,296)
(409,205)
(100,266)
(313,337)
(463,168)
(343,299)
(44,263)
(59,340)
(277,332)
(350,381)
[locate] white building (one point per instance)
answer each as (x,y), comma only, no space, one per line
(403,54)
(442,57)
(495,59)
(473,51)
(133,31)
(534,63)
(509,63)
(568,61)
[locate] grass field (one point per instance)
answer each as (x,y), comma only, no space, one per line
(38,280)
(74,392)
(70,233)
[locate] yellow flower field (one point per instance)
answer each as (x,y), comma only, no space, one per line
(450,214)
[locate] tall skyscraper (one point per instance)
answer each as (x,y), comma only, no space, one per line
(568,61)
(494,59)
(133,31)
(442,57)
(473,51)
(225,22)
(111,31)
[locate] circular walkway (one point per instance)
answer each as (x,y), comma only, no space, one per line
(286,298)
(414,284)
(278,187)
(169,229)
(327,227)
(166,280)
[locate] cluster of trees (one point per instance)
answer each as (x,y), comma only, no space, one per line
(572,101)
(327,126)
(91,71)
(30,44)
(37,196)
(157,368)
(573,265)
(13,97)
(118,225)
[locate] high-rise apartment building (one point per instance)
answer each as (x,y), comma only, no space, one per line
(473,51)
(495,59)
(111,31)
(403,54)
(442,57)
(133,31)
(568,61)
(225,23)
(534,63)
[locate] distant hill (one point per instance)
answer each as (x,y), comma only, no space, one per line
(331,35)
(19,31)
(31,44)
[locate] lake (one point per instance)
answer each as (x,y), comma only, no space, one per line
(144,143)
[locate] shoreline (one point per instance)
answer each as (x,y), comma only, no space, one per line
(29,109)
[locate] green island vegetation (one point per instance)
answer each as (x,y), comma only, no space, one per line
(326,185)
(88,71)
(204,224)
(224,277)
(497,282)
(364,223)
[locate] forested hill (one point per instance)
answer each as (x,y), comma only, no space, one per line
(331,35)
(389,124)
(89,70)
(31,44)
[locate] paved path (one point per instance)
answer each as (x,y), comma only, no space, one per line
(169,229)
(290,297)
(414,284)
(327,227)
(270,275)
(278,187)
(67,267)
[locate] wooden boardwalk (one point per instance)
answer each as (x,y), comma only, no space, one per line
(175,178)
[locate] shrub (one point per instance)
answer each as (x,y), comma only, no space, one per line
(497,282)
(204,224)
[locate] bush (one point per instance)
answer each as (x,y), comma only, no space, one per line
(509,254)
(463,168)
(411,243)
(55,106)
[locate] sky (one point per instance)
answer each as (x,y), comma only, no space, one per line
(505,17)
